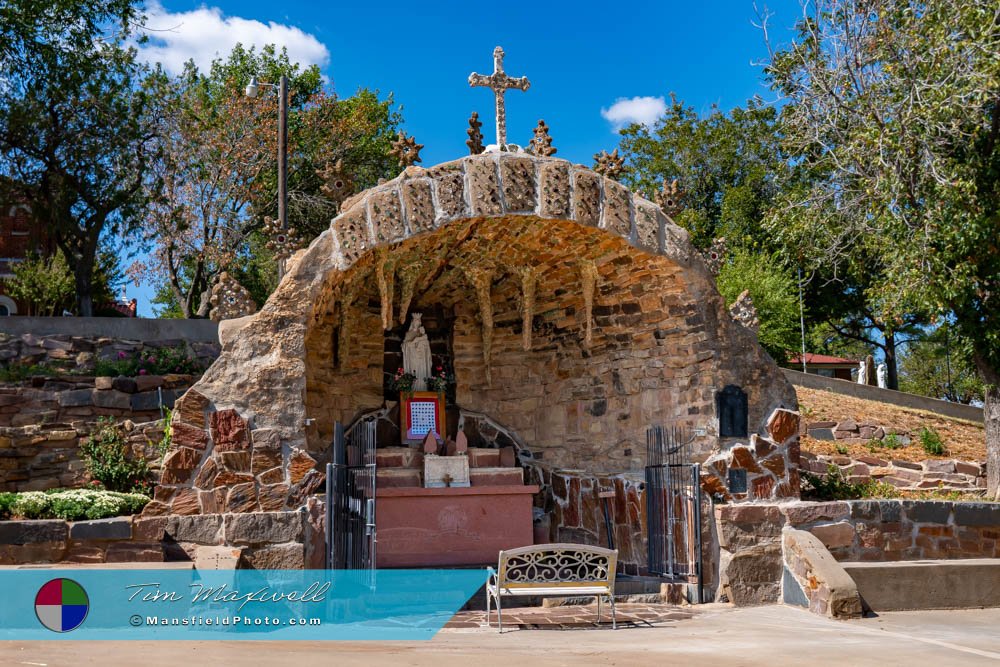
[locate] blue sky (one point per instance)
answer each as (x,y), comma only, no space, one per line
(591,64)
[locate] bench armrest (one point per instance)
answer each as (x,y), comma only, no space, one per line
(493,575)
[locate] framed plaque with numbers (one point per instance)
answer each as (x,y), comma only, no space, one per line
(421,412)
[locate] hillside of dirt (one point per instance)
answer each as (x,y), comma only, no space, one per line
(962,439)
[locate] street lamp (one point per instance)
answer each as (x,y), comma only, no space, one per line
(252,89)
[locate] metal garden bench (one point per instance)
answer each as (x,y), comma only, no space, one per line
(553,570)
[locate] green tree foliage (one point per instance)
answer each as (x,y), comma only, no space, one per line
(775,295)
(75,135)
(940,366)
(729,168)
(216,176)
(44,284)
(893,108)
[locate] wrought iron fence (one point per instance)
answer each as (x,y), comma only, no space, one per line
(350,499)
(673,506)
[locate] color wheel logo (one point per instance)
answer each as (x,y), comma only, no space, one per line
(61,605)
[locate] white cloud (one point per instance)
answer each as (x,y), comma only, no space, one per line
(205,33)
(628,110)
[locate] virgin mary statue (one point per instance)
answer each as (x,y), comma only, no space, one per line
(417,353)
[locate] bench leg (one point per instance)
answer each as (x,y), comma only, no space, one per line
(598,609)
(614,620)
(488,596)
(499,616)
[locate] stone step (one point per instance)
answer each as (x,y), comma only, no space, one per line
(397,477)
(481,457)
(399,457)
(496,476)
(927,584)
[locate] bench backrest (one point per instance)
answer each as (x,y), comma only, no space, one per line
(557,565)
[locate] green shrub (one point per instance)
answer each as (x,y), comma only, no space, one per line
(842,450)
(22,372)
(6,500)
(108,460)
(892,441)
(75,504)
(833,486)
(931,442)
(150,362)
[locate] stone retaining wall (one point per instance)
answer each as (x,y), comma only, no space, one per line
(269,540)
(855,530)
(36,458)
(76,400)
(77,352)
(945,474)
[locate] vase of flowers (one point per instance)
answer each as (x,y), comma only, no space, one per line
(403,381)
(440,380)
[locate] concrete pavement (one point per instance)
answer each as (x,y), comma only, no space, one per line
(775,636)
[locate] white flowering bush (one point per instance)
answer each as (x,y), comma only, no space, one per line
(74,504)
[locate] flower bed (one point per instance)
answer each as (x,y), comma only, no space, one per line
(70,504)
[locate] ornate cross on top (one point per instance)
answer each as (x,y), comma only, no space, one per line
(499,82)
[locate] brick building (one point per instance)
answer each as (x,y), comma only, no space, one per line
(18,237)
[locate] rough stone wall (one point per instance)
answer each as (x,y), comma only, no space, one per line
(77,354)
(856,530)
(76,400)
(269,540)
(268,368)
(943,474)
(40,457)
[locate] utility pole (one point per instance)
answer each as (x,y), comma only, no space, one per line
(282,162)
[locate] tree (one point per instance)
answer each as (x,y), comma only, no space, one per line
(940,366)
(895,107)
(216,179)
(729,168)
(44,284)
(74,126)
(775,295)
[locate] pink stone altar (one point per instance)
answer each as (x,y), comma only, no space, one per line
(419,527)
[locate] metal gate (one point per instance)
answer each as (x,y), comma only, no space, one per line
(350,498)
(673,507)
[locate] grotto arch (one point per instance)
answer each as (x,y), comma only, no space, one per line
(624,328)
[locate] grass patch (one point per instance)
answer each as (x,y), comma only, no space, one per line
(931,441)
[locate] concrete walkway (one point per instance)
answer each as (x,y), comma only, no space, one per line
(707,635)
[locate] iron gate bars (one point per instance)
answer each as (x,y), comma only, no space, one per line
(350,498)
(673,506)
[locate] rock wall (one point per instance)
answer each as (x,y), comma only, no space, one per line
(77,400)
(68,353)
(270,540)
(938,474)
(40,457)
(856,530)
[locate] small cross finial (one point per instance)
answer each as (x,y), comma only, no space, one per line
(499,82)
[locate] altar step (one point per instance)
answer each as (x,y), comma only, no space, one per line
(410,457)
(410,477)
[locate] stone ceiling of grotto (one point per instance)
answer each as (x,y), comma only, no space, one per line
(448,265)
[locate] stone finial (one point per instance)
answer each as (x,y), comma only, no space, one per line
(282,242)
(406,150)
(499,82)
(230,300)
(608,164)
(668,198)
(715,255)
(430,444)
(337,183)
(475,140)
(744,312)
(541,143)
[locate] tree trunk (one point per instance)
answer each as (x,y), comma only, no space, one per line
(84,285)
(891,362)
(991,419)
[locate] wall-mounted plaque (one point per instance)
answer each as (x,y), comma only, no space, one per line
(421,412)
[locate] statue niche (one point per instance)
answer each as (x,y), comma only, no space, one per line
(417,353)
